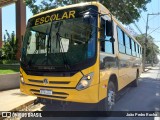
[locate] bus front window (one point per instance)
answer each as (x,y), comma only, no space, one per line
(60,43)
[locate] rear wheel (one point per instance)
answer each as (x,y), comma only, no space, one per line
(136,81)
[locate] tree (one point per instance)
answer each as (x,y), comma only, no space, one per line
(152,50)
(10,46)
(126,11)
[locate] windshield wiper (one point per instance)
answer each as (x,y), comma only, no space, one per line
(65,60)
(49,41)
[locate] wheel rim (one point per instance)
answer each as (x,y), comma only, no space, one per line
(111,98)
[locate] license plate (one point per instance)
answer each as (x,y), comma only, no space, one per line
(45,92)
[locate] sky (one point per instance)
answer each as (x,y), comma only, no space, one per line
(154,21)
(8,20)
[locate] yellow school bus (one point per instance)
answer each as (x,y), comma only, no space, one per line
(78,53)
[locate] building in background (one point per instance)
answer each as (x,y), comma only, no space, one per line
(20,21)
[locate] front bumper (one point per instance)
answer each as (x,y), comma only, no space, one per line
(88,95)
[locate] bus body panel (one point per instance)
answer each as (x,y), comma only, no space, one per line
(98,88)
(124,75)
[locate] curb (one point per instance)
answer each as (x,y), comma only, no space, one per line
(23,106)
(9,81)
(147,69)
(18,108)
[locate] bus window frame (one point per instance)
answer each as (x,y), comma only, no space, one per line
(113,45)
(129,44)
(118,40)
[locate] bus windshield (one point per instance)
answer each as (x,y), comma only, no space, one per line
(60,43)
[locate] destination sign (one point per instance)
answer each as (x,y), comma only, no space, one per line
(69,13)
(55,16)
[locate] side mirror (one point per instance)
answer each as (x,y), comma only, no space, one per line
(107,31)
(109,28)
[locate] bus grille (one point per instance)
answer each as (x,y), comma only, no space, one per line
(50,82)
(61,95)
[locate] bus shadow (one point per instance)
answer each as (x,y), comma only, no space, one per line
(148,87)
(50,105)
(124,91)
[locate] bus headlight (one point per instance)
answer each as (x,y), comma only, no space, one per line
(85,81)
(21,78)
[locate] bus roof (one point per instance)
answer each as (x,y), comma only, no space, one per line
(102,9)
(68,6)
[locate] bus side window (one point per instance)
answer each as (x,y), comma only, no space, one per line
(137,47)
(121,41)
(133,48)
(106,46)
(128,44)
(140,52)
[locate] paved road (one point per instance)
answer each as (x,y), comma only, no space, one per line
(145,97)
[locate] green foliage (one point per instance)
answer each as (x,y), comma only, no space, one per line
(8,62)
(126,11)
(152,50)
(10,47)
(9,69)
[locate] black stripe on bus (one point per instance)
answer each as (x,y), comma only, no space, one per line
(61,93)
(51,82)
(51,86)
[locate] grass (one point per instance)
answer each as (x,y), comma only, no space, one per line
(8,69)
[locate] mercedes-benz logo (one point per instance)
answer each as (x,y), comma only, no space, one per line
(45,81)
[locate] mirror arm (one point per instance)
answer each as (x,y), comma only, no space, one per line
(90,9)
(106,14)
(111,21)
(110,40)
(103,40)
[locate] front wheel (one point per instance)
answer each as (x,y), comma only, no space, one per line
(111,96)
(108,103)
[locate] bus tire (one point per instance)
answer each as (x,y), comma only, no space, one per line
(136,81)
(111,96)
(107,103)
